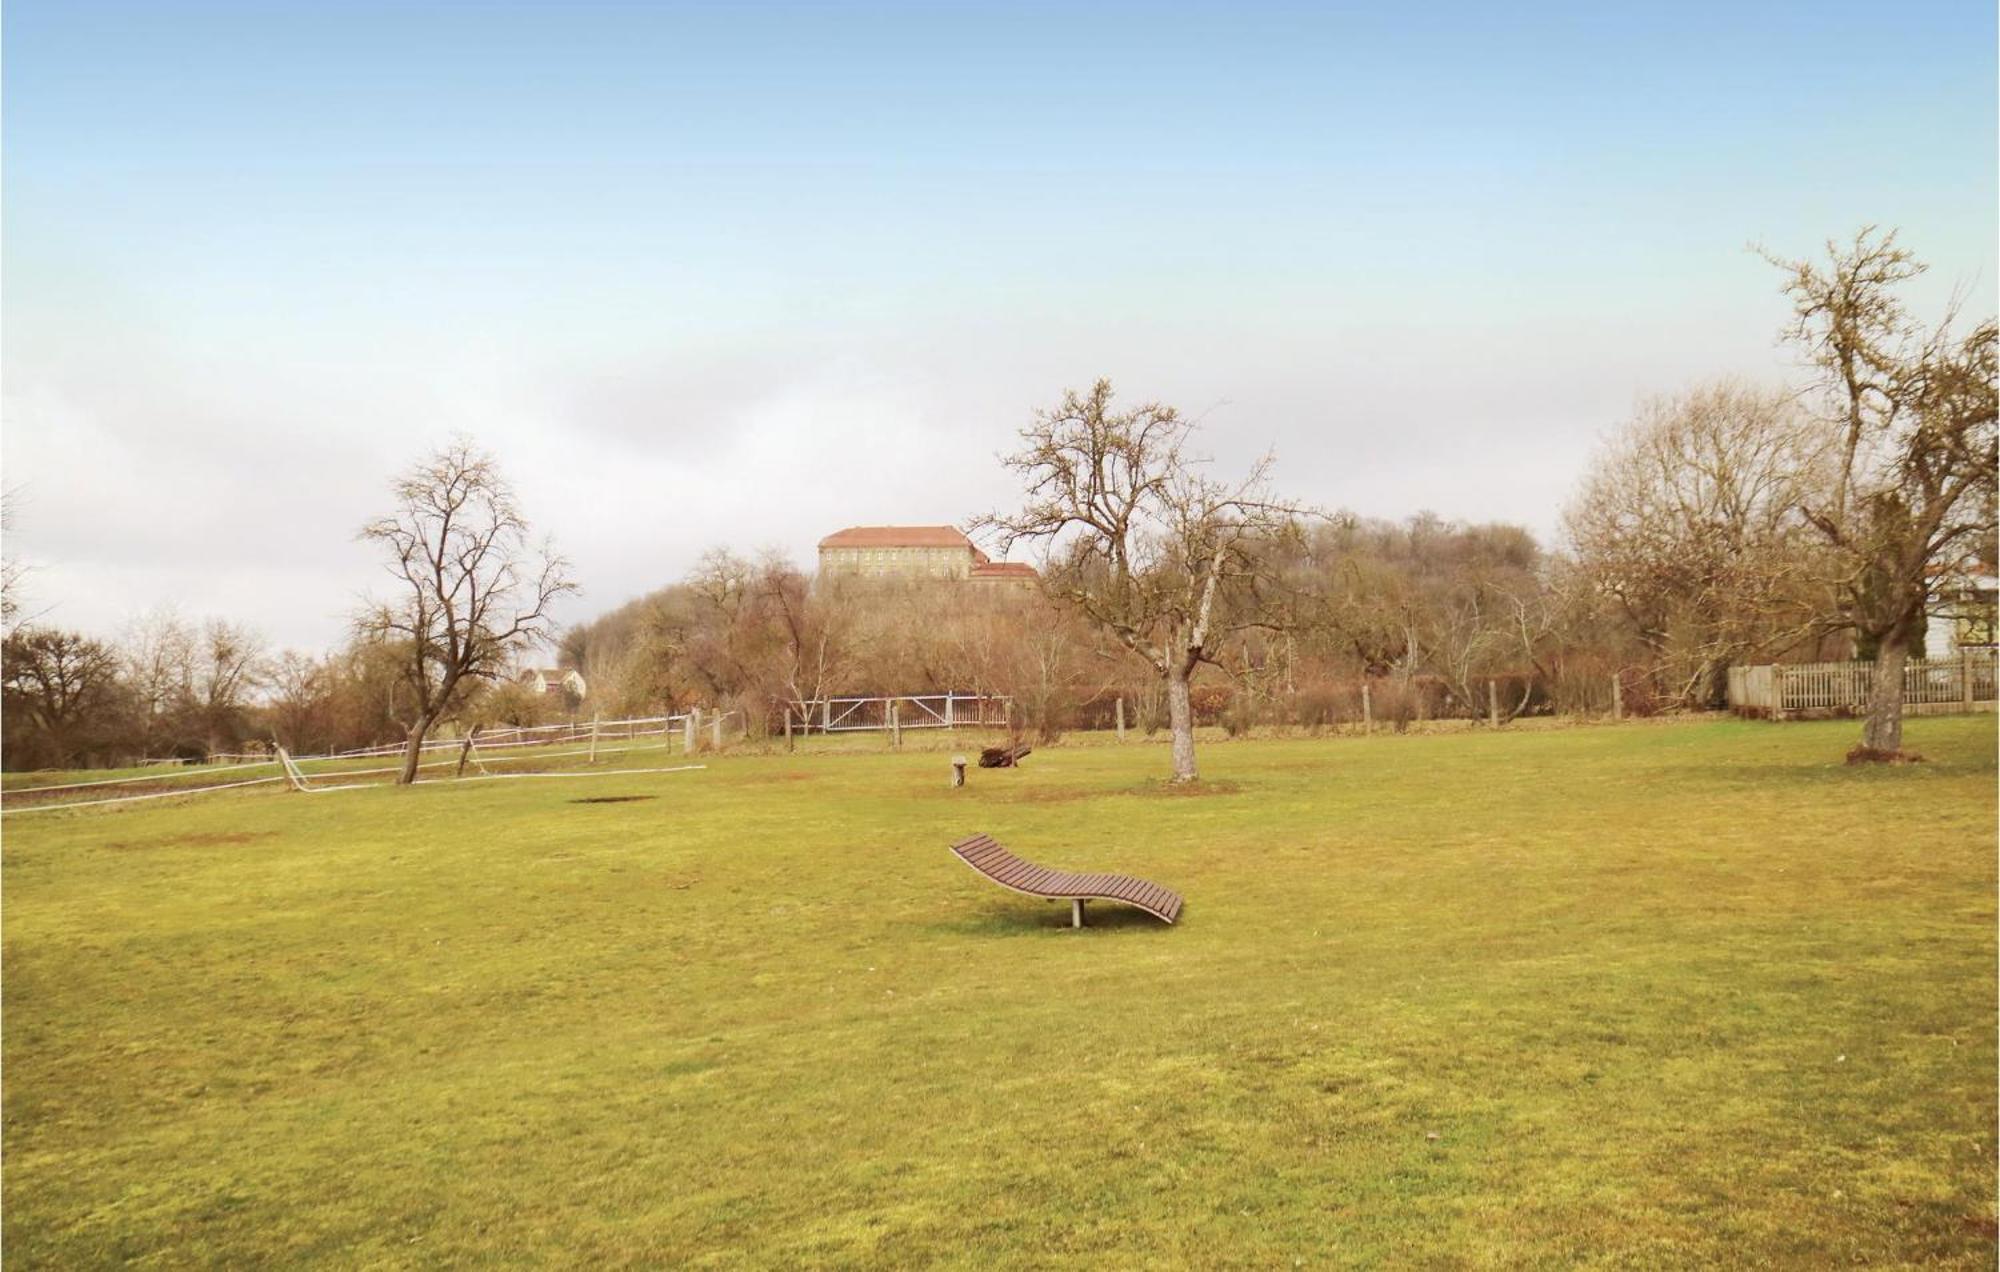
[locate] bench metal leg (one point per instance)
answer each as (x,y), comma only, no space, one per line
(1076,912)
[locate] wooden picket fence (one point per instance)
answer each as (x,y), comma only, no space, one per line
(1961,682)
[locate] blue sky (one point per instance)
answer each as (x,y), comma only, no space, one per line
(747,273)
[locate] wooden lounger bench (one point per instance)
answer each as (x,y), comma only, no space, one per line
(1004,868)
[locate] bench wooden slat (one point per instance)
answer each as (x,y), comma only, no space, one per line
(987,856)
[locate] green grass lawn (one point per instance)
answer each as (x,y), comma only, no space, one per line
(1664,995)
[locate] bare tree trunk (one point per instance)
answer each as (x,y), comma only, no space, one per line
(413,751)
(1180,719)
(1883,728)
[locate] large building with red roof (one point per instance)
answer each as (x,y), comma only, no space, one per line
(914,552)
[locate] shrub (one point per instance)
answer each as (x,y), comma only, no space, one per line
(1209,702)
(1394,701)
(1641,697)
(1239,717)
(1319,706)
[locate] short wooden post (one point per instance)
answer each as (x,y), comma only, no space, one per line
(1121,717)
(1617,698)
(950,712)
(688,723)
(1367,710)
(1965,675)
(593,740)
(1492,705)
(958,770)
(694,729)
(895,724)
(825,715)
(715,729)
(1076,912)
(790,746)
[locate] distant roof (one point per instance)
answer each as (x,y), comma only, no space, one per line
(1004,570)
(896,537)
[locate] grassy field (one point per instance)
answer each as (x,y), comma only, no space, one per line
(1664,995)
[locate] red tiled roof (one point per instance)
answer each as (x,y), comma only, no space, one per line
(896,537)
(1004,570)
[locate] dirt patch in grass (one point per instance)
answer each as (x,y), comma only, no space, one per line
(202,839)
(1187,790)
(1162,789)
(1049,794)
(1870,755)
(612,799)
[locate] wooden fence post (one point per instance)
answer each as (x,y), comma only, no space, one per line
(693,729)
(715,729)
(1121,717)
(1617,697)
(1367,710)
(895,724)
(1965,675)
(1492,705)
(790,746)
(593,738)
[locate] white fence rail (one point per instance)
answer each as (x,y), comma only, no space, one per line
(1931,686)
(500,738)
(894,713)
(691,732)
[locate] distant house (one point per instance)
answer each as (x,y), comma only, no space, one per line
(554,680)
(1964,606)
(915,552)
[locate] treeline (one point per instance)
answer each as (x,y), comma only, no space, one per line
(1724,525)
(169,688)
(1426,611)
(1682,554)
(1679,559)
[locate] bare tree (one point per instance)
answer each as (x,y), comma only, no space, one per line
(804,630)
(231,664)
(299,686)
(473,594)
(1142,543)
(65,686)
(1688,523)
(158,651)
(1912,411)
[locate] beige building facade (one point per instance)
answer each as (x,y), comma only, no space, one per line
(914,552)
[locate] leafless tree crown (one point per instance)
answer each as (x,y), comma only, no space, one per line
(472,592)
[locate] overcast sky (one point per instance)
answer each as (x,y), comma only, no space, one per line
(744,274)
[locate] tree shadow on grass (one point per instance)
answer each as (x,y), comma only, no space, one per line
(1831,772)
(1030,918)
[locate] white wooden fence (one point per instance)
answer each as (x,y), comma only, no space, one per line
(911,711)
(1931,686)
(668,727)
